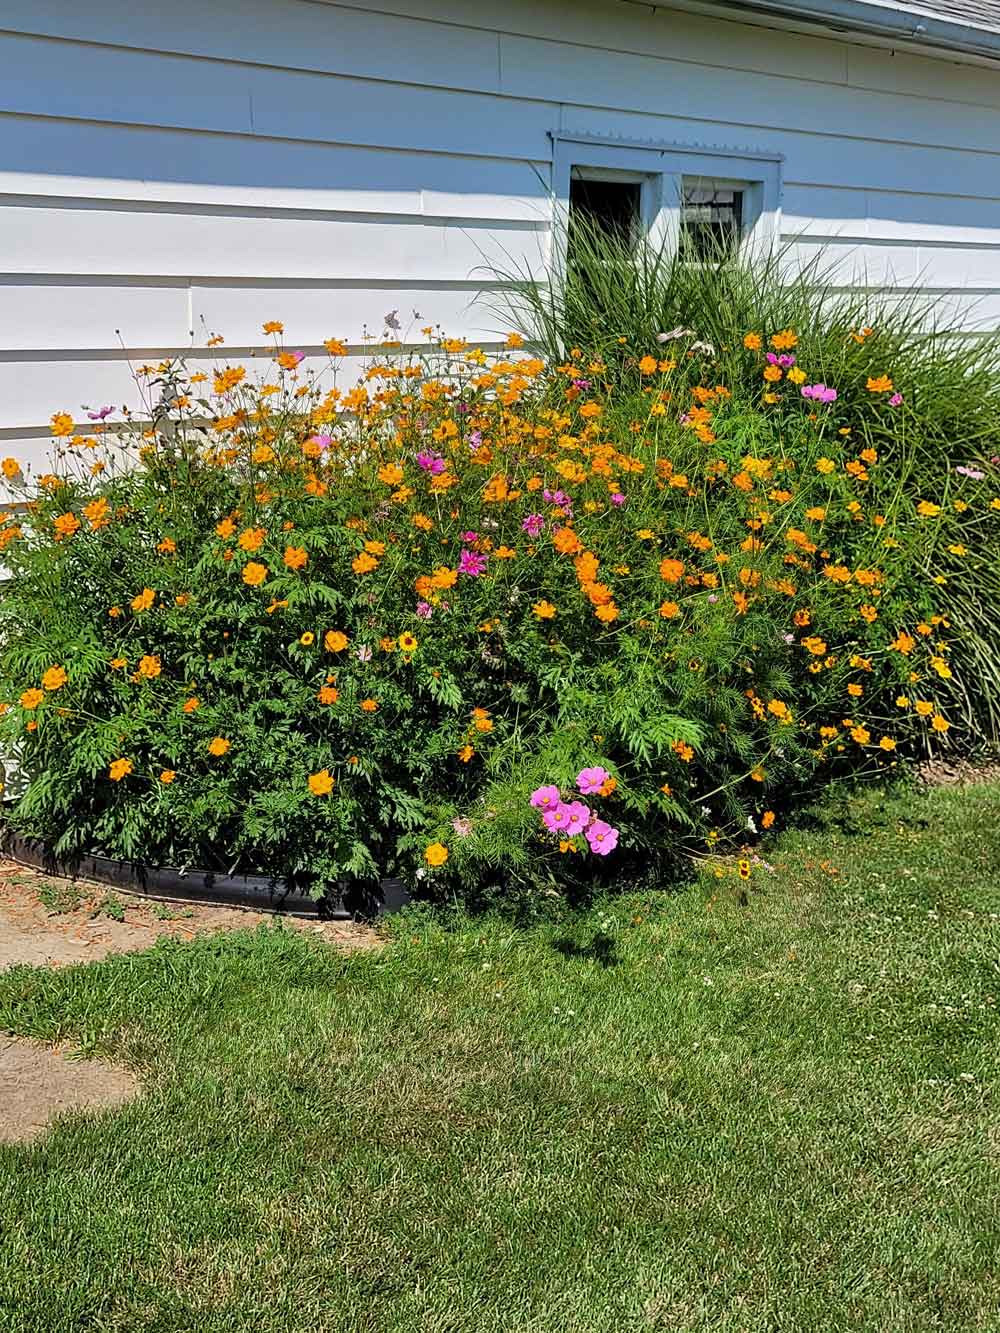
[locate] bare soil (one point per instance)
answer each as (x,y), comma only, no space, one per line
(69,922)
(38,1083)
(945,772)
(50,922)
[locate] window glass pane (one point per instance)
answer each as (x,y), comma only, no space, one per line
(711,219)
(611,206)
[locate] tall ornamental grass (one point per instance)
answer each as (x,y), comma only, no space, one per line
(617,295)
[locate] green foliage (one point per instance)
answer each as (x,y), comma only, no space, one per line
(328,634)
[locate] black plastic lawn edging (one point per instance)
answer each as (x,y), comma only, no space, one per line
(210,888)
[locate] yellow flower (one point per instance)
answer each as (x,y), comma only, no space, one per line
(55,678)
(144,600)
(887,743)
(826,466)
(150,666)
(927,509)
(254,574)
(334,641)
(861,735)
(544,610)
(119,768)
(11,468)
(62,424)
(274,326)
(408,643)
(32,698)
(167,776)
(218,745)
(796,375)
(902,701)
(321,783)
(924,707)
(436,854)
(939,724)
(307,639)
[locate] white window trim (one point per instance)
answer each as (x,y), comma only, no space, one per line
(660,167)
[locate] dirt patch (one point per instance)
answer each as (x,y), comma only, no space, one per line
(942,772)
(56,922)
(40,1083)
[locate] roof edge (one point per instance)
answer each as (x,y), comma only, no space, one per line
(919,29)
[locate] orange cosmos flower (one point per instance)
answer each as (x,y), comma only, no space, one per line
(167,776)
(295,557)
(334,641)
(436,854)
(321,783)
(218,745)
(55,678)
(119,768)
(254,574)
(143,600)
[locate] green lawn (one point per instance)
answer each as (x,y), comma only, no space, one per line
(675,1112)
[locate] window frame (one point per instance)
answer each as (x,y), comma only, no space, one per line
(660,169)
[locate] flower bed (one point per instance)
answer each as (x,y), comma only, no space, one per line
(478,618)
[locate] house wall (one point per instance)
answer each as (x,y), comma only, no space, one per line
(171,171)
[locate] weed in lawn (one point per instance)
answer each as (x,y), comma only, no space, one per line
(58,897)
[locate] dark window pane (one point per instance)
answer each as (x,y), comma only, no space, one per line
(711,221)
(611,206)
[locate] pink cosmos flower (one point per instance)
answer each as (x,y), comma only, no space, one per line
(544,798)
(430,463)
(324,441)
(557,820)
(533,524)
(603,838)
(424,610)
(579,817)
(617,498)
(820,392)
(471,563)
(895,400)
(101,415)
(462,826)
(470,537)
(590,780)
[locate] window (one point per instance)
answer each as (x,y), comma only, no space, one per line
(675,195)
(711,218)
(612,206)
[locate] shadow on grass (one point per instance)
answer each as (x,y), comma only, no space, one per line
(600,950)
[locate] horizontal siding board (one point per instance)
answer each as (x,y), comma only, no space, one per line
(94,239)
(51,315)
(881,215)
(124,162)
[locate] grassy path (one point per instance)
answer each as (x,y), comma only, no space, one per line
(676,1112)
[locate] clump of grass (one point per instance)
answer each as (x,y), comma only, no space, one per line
(58,897)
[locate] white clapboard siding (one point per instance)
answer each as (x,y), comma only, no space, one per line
(87,236)
(171,171)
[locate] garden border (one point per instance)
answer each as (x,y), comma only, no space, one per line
(209,888)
